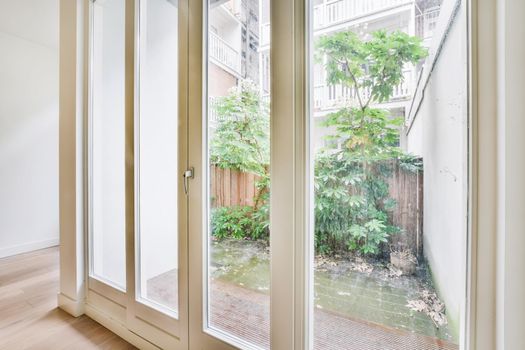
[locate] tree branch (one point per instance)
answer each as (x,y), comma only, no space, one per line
(356,84)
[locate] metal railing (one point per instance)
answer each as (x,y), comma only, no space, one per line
(265,34)
(425,24)
(224,53)
(332,12)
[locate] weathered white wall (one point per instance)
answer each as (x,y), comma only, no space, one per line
(28,125)
(439,134)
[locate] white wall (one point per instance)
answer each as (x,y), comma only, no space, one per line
(439,134)
(28,125)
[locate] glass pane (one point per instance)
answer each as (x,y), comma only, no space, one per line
(390,176)
(239,158)
(107,201)
(157,162)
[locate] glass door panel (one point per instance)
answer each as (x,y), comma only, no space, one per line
(238,138)
(390,176)
(156,165)
(137,144)
(106,144)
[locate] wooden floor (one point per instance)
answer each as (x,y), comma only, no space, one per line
(29,318)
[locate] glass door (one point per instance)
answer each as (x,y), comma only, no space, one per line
(158,167)
(229,197)
(137,162)
(237,260)
(390,174)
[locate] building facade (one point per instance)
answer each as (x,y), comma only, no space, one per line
(363,17)
(239,48)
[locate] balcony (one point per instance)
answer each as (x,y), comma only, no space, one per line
(339,11)
(333,12)
(426,24)
(224,54)
(213,116)
(265,34)
(336,96)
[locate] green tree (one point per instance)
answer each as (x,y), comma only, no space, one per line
(352,200)
(241,141)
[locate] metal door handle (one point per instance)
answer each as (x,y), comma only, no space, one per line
(188,174)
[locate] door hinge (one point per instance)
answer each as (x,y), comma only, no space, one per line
(188,174)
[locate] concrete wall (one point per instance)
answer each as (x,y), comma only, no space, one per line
(28,125)
(439,134)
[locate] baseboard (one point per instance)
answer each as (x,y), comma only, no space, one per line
(118,328)
(73,307)
(27,247)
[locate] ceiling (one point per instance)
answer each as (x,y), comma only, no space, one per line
(33,20)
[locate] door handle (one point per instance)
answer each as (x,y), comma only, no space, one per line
(188,174)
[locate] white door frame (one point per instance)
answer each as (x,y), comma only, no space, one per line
(119,310)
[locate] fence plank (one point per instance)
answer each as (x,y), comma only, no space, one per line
(250,189)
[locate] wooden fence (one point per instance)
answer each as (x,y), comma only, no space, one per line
(233,188)
(406,188)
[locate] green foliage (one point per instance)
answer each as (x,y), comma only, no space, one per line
(367,135)
(351,193)
(242,222)
(376,64)
(241,140)
(261,213)
(351,206)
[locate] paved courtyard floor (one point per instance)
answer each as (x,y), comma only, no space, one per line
(354,310)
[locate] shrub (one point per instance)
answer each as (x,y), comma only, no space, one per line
(240,222)
(351,209)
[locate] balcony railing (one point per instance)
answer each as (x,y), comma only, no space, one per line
(337,11)
(265,34)
(426,24)
(224,54)
(332,12)
(337,96)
